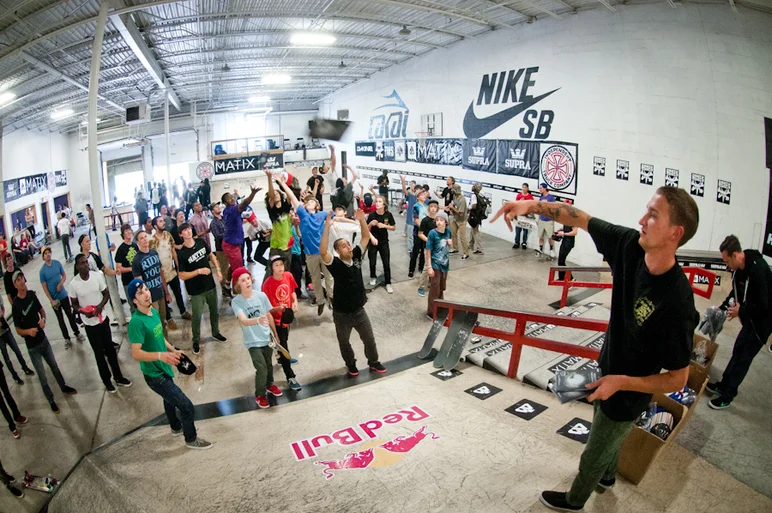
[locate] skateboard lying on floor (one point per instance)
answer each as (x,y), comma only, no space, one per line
(40,483)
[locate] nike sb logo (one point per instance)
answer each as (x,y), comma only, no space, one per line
(509,87)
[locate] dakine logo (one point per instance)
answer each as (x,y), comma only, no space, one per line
(579,429)
(526,408)
(558,167)
(504,87)
(395,125)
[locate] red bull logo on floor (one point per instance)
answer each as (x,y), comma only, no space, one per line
(375,452)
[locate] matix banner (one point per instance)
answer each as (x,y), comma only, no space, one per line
(245,164)
(518,158)
(20,187)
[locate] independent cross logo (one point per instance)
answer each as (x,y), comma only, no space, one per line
(558,167)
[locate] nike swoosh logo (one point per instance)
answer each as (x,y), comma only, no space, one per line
(475,127)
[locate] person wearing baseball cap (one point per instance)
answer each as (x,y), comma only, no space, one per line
(156,357)
(280,289)
(30,321)
(427,225)
(52,278)
(437,260)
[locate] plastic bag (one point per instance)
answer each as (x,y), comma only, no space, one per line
(712,322)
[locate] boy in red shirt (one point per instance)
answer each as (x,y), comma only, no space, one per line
(280,289)
(525,194)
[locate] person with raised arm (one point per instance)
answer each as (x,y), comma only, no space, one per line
(651,326)
(234,232)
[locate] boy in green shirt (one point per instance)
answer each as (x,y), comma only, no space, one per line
(156,357)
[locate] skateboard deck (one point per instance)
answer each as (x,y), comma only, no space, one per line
(457,325)
(379,282)
(40,483)
(279,349)
(431,338)
(464,334)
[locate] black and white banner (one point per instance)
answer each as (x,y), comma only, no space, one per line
(365,148)
(518,158)
(623,169)
(599,166)
(480,155)
(647,174)
(19,187)
(697,185)
(724,192)
(388,150)
(399,151)
(671,177)
(379,151)
(245,164)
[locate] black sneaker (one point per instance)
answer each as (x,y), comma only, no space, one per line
(218,336)
(123,382)
(18,380)
(320,308)
(28,371)
(719,403)
(713,387)
(69,390)
(557,501)
(10,478)
(110,389)
(606,484)
(15,491)
(352,370)
(196,348)
(377,367)
(54,408)
(523,247)
(516,245)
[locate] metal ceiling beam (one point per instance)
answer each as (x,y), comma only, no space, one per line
(131,35)
(17,4)
(309,61)
(607,5)
(238,72)
(493,5)
(443,12)
(470,12)
(170,55)
(58,74)
(535,6)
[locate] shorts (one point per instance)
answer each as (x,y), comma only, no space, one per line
(545,227)
(233,253)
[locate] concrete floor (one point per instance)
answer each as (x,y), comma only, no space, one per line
(733,440)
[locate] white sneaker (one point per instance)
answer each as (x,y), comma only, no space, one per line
(389,289)
(770,348)
(552,253)
(372,282)
(80,337)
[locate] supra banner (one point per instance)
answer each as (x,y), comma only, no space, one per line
(518,158)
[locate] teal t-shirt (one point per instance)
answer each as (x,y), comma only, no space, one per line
(50,276)
(148,331)
(256,306)
(437,244)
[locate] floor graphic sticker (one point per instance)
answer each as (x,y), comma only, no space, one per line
(483,391)
(526,409)
(577,430)
(445,375)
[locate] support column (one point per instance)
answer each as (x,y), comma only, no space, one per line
(166,136)
(94,164)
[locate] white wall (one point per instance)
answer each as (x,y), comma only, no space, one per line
(685,88)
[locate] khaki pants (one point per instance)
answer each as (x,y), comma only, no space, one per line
(160,306)
(474,240)
(315,268)
(459,229)
(225,268)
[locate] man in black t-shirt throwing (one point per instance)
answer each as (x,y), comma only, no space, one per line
(651,327)
(383,185)
(349,296)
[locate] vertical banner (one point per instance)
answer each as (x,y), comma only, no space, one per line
(379,150)
(518,158)
(435,149)
(399,151)
(480,155)
(671,177)
(412,149)
(623,169)
(697,185)
(647,174)
(455,152)
(388,150)
(599,166)
(724,192)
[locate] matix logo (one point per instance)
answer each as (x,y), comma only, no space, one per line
(510,87)
(395,125)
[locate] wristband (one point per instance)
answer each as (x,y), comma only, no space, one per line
(159,355)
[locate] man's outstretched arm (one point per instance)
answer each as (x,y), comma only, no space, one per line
(560,212)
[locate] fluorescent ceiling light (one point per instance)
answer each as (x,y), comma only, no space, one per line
(279,78)
(85,121)
(61,114)
(259,99)
(312,38)
(6,97)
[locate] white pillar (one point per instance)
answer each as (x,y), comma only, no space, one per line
(166,135)
(94,165)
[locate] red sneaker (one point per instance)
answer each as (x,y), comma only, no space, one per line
(21,419)
(274,391)
(16,433)
(262,401)
(310,286)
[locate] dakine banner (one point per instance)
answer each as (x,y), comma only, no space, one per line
(518,158)
(246,164)
(365,148)
(480,155)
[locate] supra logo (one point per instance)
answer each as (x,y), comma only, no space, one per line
(395,125)
(525,408)
(505,87)
(558,167)
(478,151)
(517,153)
(579,429)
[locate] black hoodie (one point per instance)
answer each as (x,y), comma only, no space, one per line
(751,289)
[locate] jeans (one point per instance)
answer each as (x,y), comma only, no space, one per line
(65,308)
(417,255)
(261,360)
(344,323)
(409,231)
(42,352)
(197,305)
(746,347)
(565,248)
(101,340)
(458,229)
(174,284)
(7,339)
(600,457)
(260,251)
(175,399)
(436,290)
(296,268)
(120,220)
(11,415)
(315,268)
(66,246)
(283,340)
(521,240)
(383,249)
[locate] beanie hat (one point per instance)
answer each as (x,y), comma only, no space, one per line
(134,285)
(442,215)
(238,273)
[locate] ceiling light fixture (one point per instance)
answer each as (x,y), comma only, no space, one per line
(85,121)
(259,99)
(7,97)
(61,114)
(312,39)
(404,31)
(277,79)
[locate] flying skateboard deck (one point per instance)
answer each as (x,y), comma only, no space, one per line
(279,349)
(461,326)
(426,351)
(464,334)
(40,483)
(379,282)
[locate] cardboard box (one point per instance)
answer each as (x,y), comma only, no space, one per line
(712,348)
(641,448)
(697,381)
